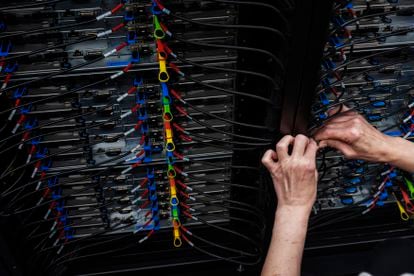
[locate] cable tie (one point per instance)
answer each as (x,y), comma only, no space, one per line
(129,132)
(104,33)
(165,29)
(60,249)
(116,75)
(11,114)
(176,69)
(118,27)
(102,16)
(136,148)
(126,114)
(117,8)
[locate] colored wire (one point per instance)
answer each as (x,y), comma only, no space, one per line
(30,5)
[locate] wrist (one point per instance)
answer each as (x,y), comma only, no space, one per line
(293,213)
(400,154)
(391,151)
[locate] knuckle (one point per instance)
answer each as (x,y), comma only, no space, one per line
(302,137)
(355,132)
(356,120)
(280,146)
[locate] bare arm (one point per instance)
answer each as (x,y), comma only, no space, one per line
(294,177)
(351,134)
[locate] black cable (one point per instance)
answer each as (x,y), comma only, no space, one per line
(230,133)
(252,188)
(32,5)
(261,127)
(232,92)
(363,58)
(23,33)
(359,73)
(279,63)
(365,40)
(370,16)
(62,45)
(274,31)
(70,172)
(238,71)
(227,142)
(60,72)
(277,12)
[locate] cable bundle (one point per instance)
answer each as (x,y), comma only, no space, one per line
(121,128)
(365,67)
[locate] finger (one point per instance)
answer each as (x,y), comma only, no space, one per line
(282,148)
(341,108)
(311,150)
(342,147)
(269,159)
(341,131)
(343,117)
(299,145)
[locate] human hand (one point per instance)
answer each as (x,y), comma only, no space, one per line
(294,175)
(351,134)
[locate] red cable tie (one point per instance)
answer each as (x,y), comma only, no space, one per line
(132,90)
(135,108)
(33,149)
(138,125)
(164,28)
(178,155)
(150,233)
(17,103)
(142,139)
(144,193)
(175,94)
(145,204)
(186,230)
(46,192)
(185,138)
(126,69)
(117,27)
(184,205)
(25,136)
(187,214)
(7,79)
(181,110)
(117,8)
(143,182)
(21,119)
(174,67)
(187,196)
(161,6)
(137,164)
(122,46)
(178,127)
(177,169)
(181,183)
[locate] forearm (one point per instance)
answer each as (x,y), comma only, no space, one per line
(400,154)
(286,248)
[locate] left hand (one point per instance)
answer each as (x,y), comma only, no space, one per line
(294,175)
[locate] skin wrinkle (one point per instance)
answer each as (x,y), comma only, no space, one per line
(295,177)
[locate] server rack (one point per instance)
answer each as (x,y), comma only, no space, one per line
(221,81)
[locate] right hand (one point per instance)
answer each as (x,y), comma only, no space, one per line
(351,134)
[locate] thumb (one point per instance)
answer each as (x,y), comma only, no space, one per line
(346,149)
(268,159)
